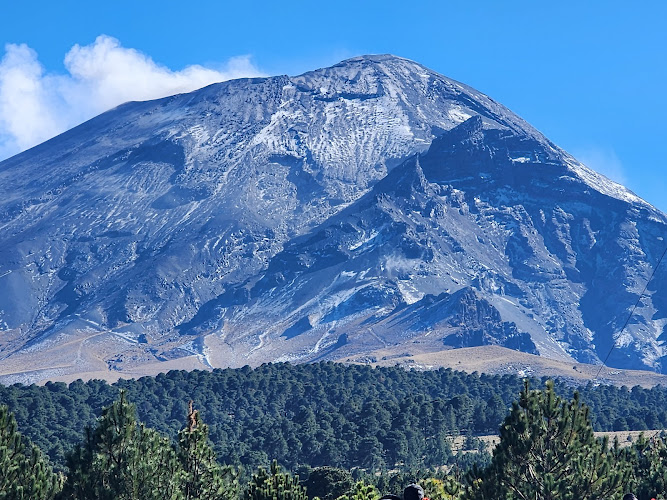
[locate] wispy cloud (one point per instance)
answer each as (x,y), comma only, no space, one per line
(35,105)
(604,161)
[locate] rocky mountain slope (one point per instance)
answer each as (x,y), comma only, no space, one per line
(365,205)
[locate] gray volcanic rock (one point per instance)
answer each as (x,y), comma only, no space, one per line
(368,204)
(504,218)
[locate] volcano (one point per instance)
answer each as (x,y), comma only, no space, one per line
(368,205)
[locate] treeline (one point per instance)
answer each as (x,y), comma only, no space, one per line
(623,409)
(317,414)
(547,450)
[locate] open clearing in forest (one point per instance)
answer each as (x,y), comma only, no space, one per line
(625,438)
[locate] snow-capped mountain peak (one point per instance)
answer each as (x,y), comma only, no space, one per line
(322,216)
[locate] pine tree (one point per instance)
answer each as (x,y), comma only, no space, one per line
(362,491)
(328,483)
(649,457)
(123,460)
(24,473)
(547,450)
(275,485)
(204,478)
(448,488)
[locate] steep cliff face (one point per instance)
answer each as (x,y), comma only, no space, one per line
(317,216)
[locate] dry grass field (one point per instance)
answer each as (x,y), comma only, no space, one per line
(86,358)
(625,438)
(499,360)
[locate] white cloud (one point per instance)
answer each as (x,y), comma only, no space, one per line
(35,106)
(26,109)
(604,161)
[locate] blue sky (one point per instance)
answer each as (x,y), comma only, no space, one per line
(589,74)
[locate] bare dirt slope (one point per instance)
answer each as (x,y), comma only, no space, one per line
(484,359)
(500,360)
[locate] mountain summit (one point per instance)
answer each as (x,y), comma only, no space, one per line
(368,205)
